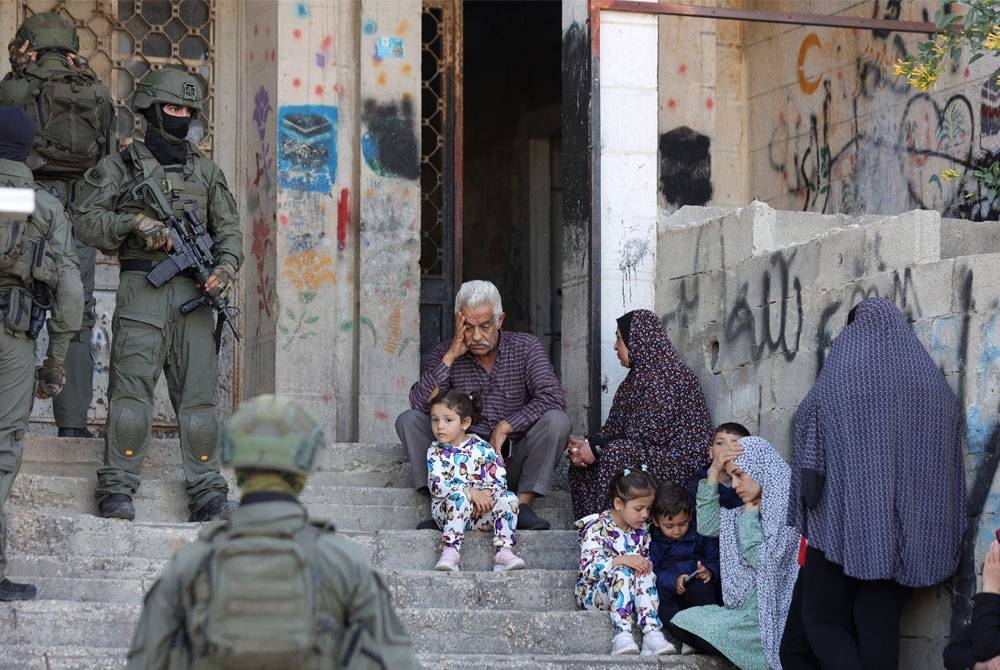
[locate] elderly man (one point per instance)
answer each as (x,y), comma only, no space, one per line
(524,412)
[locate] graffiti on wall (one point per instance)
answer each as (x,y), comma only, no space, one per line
(685,167)
(389,141)
(259,190)
(855,138)
(307,147)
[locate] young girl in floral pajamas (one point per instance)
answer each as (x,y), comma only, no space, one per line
(615,573)
(468,482)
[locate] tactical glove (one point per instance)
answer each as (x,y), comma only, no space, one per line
(154,233)
(50,377)
(225,275)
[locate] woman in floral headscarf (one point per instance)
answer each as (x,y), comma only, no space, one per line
(757,550)
(658,417)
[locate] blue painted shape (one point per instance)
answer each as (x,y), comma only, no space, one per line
(302,10)
(389,47)
(307,147)
(370,27)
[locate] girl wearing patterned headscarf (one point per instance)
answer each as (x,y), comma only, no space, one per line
(758,559)
(880,430)
(659,417)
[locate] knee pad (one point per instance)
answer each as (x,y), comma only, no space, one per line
(201,428)
(129,424)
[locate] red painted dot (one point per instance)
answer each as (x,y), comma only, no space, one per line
(671,103)
(319,90)
(966,72)
(296,82)
(296,33)
(283,219)
(682,68)
(274,55)
(710,103)
(327,41)
(251,56)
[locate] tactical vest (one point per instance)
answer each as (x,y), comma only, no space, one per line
(181,184)
(255,602)
(25,251)
(70,108)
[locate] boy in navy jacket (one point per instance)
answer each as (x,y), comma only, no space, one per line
(686,563)
(726,435)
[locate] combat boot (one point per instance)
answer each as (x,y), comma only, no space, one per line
(117,506)
(75,432)
(216,506)
(13,591)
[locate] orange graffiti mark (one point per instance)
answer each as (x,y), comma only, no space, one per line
(407,69)
(395,331)
(381,79)
(309,270)
(401,28)
(807,85)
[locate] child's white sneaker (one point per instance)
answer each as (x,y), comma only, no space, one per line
(688,650)
(622,643)
(448,561)
(505,560)
(654,643)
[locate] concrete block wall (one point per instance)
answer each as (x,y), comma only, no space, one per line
(752,298)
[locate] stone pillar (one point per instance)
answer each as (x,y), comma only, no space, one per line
(389,196)
(628,117)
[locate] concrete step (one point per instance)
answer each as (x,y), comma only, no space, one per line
(31,657)
(441,631)
(569,661)
(359,464)
(58,534)
(349,507)
(526,590)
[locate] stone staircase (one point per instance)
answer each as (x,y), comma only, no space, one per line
(92,573)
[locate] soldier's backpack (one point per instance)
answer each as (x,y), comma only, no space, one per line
(255,604)
(71,111)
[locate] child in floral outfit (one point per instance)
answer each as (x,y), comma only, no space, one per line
(468,482)
(615,573)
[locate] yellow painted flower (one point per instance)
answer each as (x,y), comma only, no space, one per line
(309,270)
(993,39)
(949,175)
(903,67)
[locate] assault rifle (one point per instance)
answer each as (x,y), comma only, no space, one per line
(192,251)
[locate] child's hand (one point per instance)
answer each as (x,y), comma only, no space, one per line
(991,569)
(640,564)
(703,573)
(723,455)
(482,502)
(680,586)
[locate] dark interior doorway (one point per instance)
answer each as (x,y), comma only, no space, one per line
(512,193)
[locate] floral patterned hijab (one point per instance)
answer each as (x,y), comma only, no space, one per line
(777,567)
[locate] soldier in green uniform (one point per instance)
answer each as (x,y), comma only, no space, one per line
(149,332)
(37,267)
(74,127)
(267,588)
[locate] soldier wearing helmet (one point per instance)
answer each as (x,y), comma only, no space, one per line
(150,334)
(75,127)
(267,587)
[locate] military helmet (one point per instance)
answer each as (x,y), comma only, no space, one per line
(270,432)
(45,31)
(169,87)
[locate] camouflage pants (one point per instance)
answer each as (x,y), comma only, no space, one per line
(17,385)
(150,336)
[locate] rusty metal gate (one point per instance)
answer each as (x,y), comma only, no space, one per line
(440,169)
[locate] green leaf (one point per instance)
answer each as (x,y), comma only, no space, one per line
(312,319)
(282,329)
(975,57)
(307,296)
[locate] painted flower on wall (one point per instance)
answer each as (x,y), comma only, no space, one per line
(309,270)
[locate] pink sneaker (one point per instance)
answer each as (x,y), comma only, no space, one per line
(448,561)
(505,560)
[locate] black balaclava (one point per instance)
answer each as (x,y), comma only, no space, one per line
(17,134)
(166,135)
(624,325)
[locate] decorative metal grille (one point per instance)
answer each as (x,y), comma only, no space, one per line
(125,39)
(434,57)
